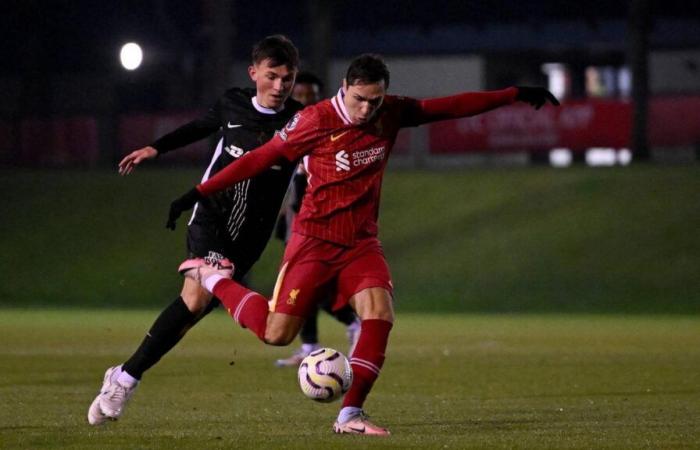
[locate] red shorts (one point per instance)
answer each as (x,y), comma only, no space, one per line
(313,268)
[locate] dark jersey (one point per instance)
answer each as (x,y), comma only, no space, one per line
(241,217)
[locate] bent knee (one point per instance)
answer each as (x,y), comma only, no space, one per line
(282,329)
(196,300)
(279,339)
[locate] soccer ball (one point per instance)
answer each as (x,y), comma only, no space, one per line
(325,375)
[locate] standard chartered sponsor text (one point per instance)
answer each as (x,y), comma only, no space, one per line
(368,156)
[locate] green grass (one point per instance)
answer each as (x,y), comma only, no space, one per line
(508,240)
(450,381)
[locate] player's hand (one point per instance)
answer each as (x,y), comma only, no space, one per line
(536,96)
(133,159)
(182,204)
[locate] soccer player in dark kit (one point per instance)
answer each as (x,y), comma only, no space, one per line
(232,226)
(345,143)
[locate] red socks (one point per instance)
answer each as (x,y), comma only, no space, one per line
(249,309)
(367,360)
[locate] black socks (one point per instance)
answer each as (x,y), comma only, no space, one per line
(170,326)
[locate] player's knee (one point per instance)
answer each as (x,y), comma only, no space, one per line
(281,329)
(373,303)
(196,300)
(278,337)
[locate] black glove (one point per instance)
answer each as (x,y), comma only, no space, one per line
(182,204)
(536,96)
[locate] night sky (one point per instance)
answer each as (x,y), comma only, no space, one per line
(81,36)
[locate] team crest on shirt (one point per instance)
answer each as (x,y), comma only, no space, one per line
(293,294)
(293,123)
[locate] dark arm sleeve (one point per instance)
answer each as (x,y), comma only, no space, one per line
(191,132)
(467,104)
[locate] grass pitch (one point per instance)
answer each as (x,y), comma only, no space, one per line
(457,381)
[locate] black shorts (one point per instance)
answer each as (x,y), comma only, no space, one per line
(206,240)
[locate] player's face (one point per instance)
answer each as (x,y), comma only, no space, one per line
(306,94)
(363,100)
(273,84)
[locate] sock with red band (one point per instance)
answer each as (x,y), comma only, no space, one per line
(249,309)
(367,360)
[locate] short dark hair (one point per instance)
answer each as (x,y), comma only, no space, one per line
(368,68)
(309,78)
(279,49)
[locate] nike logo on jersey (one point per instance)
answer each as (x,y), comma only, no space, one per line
(230,125)
(335,137)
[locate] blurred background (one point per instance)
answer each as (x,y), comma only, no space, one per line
(591,206)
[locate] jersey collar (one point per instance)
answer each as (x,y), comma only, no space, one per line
(339,106)
(264,110)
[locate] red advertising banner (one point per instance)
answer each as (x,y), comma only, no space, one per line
(138,130)
(575,125)
(58,142)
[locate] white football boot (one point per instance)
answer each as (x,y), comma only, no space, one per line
(110,402)
(360,424)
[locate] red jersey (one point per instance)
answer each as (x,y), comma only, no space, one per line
(345,166)
(345,162)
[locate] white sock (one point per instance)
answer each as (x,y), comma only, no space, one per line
(211,281)
(126,380)
(348,413)
(308,348)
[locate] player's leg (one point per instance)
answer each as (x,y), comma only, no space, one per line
(169,327)
(253,311)
(302,277)
(374,306)
(309,342)
(366,282)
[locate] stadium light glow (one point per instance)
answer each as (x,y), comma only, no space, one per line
(624,156)
(131,56)
(600,157)
(560,157)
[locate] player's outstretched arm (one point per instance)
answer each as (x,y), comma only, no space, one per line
(181,136)
(472,103)
(247,166)
(133,159)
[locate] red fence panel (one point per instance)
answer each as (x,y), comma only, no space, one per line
(575,125)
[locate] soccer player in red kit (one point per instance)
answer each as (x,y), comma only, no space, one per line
(344,143)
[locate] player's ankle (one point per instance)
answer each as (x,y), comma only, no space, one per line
(348,412)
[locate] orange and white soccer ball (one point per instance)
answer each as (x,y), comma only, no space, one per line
(325,375)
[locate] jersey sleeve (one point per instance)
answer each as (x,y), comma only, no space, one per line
(300,134)
(247,166)
(418,112)
(191,132)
